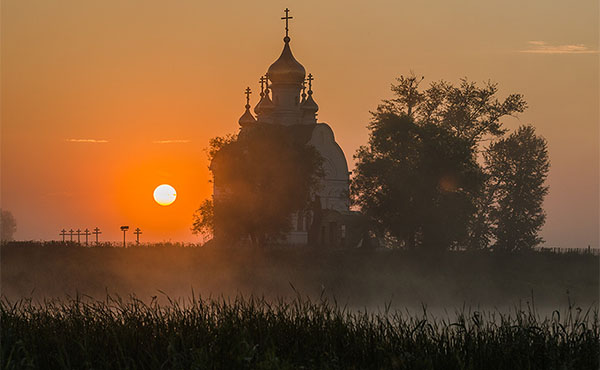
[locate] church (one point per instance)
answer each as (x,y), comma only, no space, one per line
(286,98)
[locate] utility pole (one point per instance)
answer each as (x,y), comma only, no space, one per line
(86,232)
(71,234)
(78,236)
(137,235)
(124,230)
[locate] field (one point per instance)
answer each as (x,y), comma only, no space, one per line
(190,307)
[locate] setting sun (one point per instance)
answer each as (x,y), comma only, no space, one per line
(165,194)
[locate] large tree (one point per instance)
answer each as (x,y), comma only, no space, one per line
(518,166)
(419,178)
(262,177)
(416,182)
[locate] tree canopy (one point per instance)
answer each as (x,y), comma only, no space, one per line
(469,110)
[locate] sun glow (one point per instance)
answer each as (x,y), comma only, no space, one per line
(165,194)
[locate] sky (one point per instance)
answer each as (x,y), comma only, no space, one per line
(102,101)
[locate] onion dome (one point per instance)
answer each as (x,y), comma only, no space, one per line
(286,69)
(310,105)
(265,105)
(247,118)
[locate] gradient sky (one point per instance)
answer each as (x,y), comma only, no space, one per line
(101,101)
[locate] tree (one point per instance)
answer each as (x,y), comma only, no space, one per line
(9,225)
(416,181)
(518,166)
(204,218)
(419,177)
(260,178)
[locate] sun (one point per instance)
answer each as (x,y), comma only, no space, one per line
(165,194)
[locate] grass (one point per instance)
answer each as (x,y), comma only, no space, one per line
(244,333)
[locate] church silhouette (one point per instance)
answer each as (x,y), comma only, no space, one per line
(286,98)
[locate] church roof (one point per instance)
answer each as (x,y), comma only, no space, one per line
(286,69)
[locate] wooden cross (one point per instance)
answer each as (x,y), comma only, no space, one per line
(86,232)
(78,236)
(248,92)
(96,232)
(287,18)
(63,232)
(137,233)
(71,234)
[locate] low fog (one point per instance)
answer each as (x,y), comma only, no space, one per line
(354,278)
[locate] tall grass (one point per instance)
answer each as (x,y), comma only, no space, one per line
(242,333)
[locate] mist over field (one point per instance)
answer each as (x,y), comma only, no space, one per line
(355,278)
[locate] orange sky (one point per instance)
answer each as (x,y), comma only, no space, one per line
(137,73)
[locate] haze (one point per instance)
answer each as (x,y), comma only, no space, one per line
(104,100)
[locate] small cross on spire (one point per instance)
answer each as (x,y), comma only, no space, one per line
(287,18)
(310,79)
(262,85)
(248,92)
(267,84)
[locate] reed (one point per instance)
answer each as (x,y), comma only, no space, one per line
(253,332)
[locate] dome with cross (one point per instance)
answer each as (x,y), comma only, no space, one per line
(286,69)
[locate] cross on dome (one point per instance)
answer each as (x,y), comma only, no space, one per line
(287,18)
(247,118)
(248,92)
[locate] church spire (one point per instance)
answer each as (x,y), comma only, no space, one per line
(247,118)
(265,105)
(309,107)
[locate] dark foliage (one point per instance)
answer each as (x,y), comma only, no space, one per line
(416,181)
(518,166)
(261,178)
